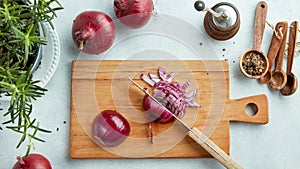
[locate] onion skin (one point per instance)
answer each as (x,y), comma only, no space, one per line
(33,161)
(93,32)
(133,13)
(110,128)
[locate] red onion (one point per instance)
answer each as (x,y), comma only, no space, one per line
(133,13)
(156,112)
(32,161)
(170,94)
(93,32)
(110,128)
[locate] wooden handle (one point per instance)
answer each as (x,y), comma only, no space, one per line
(275,44)
(292,44)
(235,110)
(259,27)
(279,57)
(213,149)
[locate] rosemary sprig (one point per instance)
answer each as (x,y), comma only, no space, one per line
(18,84)
(44,11)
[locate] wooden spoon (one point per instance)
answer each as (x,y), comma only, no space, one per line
(259,27)
(279,77)
(273,50)
(292,83)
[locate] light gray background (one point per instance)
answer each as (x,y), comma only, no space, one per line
(275,145)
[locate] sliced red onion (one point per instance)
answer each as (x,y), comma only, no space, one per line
(147,80)
(154,77)
(110,128)
(172,95)
(156,112)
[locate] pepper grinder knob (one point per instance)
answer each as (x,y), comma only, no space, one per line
(200,6)
(222,21)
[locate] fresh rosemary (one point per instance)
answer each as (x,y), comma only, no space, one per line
(21,33)
(19,29)
(18,85)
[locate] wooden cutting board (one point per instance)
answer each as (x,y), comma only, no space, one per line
(101,85)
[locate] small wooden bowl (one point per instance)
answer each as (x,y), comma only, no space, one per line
(264,59)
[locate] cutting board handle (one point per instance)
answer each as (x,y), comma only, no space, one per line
(236,110)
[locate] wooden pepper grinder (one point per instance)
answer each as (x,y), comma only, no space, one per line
(222,21)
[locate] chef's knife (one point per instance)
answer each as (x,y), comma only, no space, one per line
(199,137)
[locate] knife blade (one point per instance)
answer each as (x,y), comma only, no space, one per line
(198,136)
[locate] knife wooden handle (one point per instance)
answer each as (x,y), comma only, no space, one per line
(213,149)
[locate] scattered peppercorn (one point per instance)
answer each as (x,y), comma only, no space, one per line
(253,64)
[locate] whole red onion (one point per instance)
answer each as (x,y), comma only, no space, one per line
(93,32)
(110,128)
(33,161)
(133,13)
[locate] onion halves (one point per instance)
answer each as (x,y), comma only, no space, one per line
(110,128)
